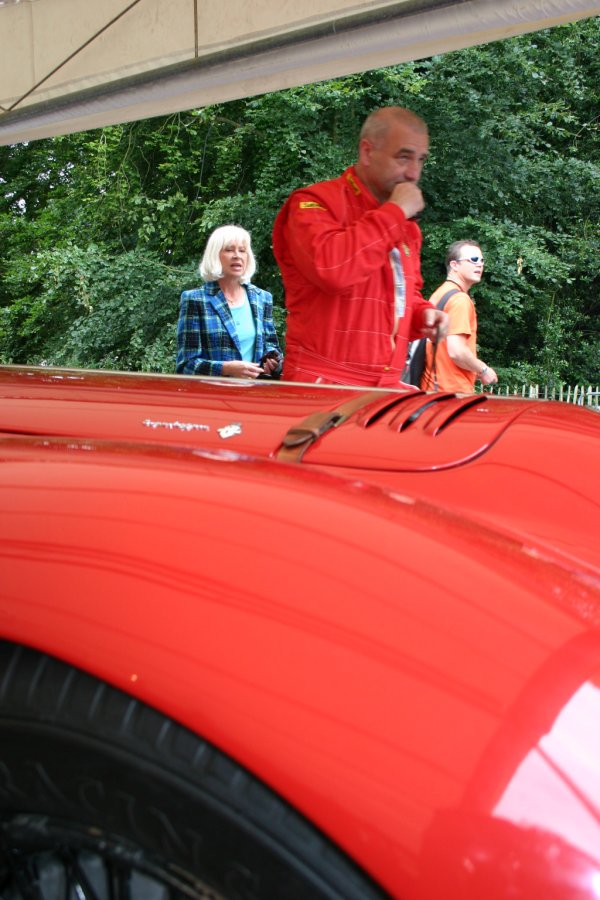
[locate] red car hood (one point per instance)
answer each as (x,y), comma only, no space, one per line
(523,467)
(388,431)
(417,661)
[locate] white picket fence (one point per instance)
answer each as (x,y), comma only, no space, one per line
(582,395)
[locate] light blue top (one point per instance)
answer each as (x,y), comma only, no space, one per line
(246,329)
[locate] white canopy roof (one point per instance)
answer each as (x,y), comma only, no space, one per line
(71,65)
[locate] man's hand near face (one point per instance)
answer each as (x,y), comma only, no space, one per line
(409,198)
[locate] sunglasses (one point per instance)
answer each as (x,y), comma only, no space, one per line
(471,259)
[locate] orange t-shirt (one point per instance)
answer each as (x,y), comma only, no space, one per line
(462,320)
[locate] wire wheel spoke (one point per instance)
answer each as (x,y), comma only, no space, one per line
(41,860)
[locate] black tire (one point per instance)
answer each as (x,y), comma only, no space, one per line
(103,798)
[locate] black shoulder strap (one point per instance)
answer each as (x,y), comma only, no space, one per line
(450,293)
(440,305)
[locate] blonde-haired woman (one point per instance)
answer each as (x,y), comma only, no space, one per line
(226,326)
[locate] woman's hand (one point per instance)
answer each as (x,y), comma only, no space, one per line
(239,368)
(271,363)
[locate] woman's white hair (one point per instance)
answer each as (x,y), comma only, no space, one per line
(210,267)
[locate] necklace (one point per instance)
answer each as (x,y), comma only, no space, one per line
(236,301)
(461,289)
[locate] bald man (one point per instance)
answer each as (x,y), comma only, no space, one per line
(349,254)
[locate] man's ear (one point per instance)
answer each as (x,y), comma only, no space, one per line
(365,149)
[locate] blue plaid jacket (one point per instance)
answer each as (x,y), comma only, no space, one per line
(206,335)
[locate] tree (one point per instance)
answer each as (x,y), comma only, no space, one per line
(513,166)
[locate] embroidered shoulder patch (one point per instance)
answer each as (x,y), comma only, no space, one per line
(352,182)
(310,204)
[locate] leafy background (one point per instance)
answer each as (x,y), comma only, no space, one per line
(102,230)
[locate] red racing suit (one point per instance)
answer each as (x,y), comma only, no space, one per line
(332,242)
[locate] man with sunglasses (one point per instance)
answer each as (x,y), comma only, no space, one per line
(453,365)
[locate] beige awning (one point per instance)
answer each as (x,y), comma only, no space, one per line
(71,65)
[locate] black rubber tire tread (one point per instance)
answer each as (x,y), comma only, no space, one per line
(79,750)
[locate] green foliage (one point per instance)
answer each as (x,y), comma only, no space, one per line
(102,230)
(514,166)
(94,310)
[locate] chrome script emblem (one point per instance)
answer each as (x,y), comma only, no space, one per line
(228,431)
(175,426)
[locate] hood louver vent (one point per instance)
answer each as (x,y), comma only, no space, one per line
(435,413)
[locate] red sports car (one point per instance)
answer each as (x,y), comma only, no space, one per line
(263,640)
